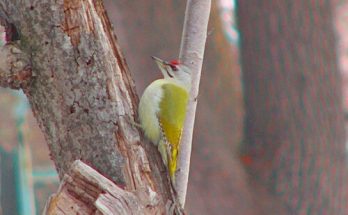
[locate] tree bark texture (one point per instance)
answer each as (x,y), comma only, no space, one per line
(295,138)
(154,28)
(85,191)
(81,93)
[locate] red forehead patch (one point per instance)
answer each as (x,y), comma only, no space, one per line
(174,62)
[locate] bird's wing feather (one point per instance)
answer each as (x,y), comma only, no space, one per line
(173,111)
(171,118)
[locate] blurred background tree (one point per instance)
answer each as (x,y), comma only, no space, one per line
(292,93)
(295,132)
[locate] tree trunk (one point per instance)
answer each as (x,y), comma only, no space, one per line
(81,92)
(295,137)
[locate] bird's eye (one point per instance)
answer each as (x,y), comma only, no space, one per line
(174,68)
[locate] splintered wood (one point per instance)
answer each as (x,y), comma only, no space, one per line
(84,191)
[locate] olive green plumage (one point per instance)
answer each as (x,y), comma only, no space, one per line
(172,117)
(162,111)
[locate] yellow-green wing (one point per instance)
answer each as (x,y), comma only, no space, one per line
(171,117)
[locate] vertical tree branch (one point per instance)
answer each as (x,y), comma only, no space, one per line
(191,54)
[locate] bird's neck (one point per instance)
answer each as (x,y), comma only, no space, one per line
(184,79)
(185,83)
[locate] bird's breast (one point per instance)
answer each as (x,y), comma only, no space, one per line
(148,109)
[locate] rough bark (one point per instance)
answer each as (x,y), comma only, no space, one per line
(81,93)
(15,68)
(295,137)
(84,191)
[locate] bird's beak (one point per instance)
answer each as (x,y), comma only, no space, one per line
(162,65)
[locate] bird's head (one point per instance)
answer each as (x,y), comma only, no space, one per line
(174,70)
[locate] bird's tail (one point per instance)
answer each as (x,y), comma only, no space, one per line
(169,157)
